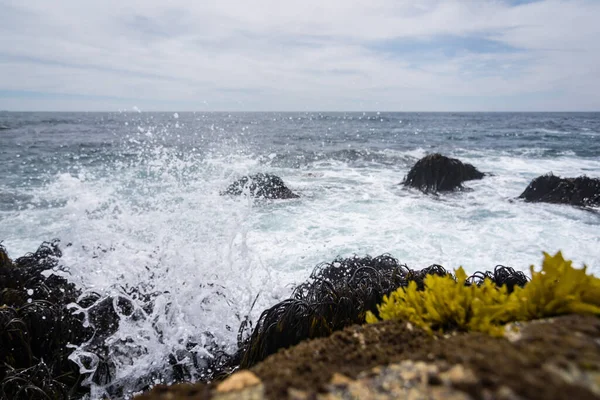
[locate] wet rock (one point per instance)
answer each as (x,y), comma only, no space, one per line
(260,185)
(581,191)
(437,173)
(36,328)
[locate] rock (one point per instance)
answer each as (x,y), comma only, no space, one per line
(551,359)
(405,380)
(238,381)
(437,173)
(581,191)
(260,185)
(37,327)
(242,385)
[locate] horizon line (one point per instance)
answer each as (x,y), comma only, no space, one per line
(290,112)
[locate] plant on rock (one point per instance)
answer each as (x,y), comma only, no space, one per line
(448,303)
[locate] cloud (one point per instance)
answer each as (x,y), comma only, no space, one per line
(300,55)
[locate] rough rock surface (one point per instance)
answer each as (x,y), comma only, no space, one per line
(260,185)
(437,173)
(550,359)
(581,191)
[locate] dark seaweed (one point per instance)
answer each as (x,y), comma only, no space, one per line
(36,328)
(338,295)
(501,276)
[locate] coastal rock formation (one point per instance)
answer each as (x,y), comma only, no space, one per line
(36,327)
(260,185)
(437,173)
(456,337)
(546,359)
(581,191)
(342,293)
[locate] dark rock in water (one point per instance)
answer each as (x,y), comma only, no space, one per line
(438,173)
(581,191)
(260,185)
(4,128)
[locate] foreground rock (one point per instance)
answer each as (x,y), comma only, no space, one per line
(549,359)
(260,185)
(581,191)
(36,328)
(437,173)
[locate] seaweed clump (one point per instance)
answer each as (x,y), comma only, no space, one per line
(447,303)
(500,276)
(337,294)
(581,191)
(437,173)
(340,294)
(267,186)
(36,328)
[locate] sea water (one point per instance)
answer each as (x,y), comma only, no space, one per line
(134,199)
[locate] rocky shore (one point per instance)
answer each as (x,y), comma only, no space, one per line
(444,334)
(556,358)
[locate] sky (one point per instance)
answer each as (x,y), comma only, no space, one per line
(300,55)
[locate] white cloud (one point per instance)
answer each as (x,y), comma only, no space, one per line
(302,55)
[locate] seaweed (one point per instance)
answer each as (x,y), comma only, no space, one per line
(437,173)
(36,328)
(501,276)
(445,303)
(556,289)
(448,303)
(336,295)
(343,293)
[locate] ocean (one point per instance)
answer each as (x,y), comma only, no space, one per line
(134,199)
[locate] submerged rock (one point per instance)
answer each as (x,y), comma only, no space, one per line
(581,191)
(260,185)
(437,173)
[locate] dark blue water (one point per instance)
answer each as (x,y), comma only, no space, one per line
(35,146)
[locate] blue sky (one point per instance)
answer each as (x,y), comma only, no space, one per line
(339,55)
